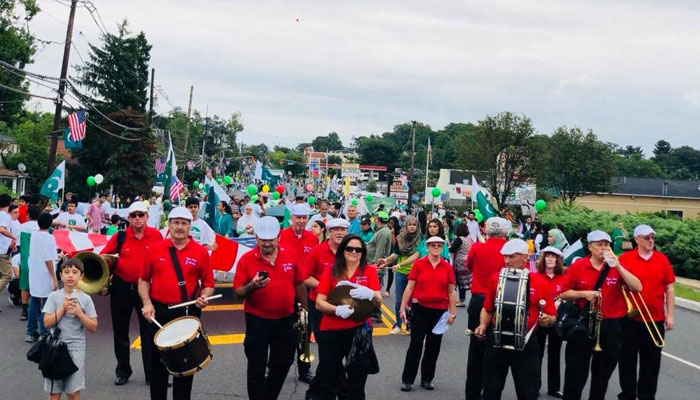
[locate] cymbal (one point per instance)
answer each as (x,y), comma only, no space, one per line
(340,295)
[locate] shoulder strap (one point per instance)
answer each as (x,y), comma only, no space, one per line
(601,277)
(182,284)
(121,237)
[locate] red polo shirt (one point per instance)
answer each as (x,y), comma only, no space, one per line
(159,271)
(331,322)
(581,275)
(431,288)
(302,245)
(133,253)
(317,262)
(539,290)
(654,273)
(276,300)
(555,284)
(485,260)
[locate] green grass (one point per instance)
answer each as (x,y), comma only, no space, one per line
(687,292)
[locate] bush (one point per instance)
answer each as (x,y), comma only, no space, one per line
(678,240)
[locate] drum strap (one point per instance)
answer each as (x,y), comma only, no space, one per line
(181,283)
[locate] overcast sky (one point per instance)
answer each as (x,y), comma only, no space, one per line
(628,70)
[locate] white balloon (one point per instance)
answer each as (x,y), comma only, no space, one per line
(99,178)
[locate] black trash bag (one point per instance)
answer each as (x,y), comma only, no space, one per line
(34,353)
(571,321)
(56,362)
(362,355)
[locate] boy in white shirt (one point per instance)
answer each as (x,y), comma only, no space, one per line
(70,219)
(42,275)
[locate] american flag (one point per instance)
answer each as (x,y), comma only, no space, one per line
(160,165)
(175,188)
(76,125)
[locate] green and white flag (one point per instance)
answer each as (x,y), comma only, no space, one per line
(485,207)
(170,169)
(215,194)
(573,252)
(55,182)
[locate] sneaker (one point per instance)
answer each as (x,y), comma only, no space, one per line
(14,301)
(30,338)
(23,316)
(395,331)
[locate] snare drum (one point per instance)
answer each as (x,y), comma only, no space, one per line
(511,305)
(184,347)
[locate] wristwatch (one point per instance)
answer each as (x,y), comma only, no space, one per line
(454,316)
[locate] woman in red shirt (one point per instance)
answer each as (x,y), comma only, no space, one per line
(337,331)
(431,291)
(551,268)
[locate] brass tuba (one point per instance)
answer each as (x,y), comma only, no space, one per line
(96,270)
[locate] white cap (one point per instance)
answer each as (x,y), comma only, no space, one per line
(495,225)
(597,236)
(301,210)
(267,228)
(337,223)
(138,206)
(552,249)
(179,212)
(643,230)
(515,246)
(435,239)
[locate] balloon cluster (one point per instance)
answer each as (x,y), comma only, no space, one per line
(95,180)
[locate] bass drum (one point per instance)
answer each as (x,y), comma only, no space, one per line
(183,345)
(511,305)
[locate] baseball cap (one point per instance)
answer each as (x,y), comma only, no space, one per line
(553,250)
(497,224)
(138,207)
(337,223)
(435,239)
(179,212)
(383,216)
(643,230)
(515,246)
(267,228)
(301,210)
(597,236)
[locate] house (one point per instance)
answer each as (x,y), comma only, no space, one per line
(635,195)
(15,180)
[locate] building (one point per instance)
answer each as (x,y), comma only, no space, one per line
(637,195)
(15,180)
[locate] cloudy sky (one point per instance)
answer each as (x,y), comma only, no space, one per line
(628,70)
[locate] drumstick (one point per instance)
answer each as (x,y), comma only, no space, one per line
(189,303)
(157,323)
(469,332)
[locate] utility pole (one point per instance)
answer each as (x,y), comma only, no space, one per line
(206,130)
(150,104)
(187,134)
(61,90)
(410,173)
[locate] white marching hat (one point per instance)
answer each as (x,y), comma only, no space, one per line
(552,249)
(178,212)
(515,246)
(435,239)
(138,206)
(643,230)
(267,228)
(597,236)
(337,223)
(301,210)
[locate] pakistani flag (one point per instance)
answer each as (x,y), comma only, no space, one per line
(70,144)
(215,194)
(485,207)
(272,180)
(573,252)
(170,170)
(55,182)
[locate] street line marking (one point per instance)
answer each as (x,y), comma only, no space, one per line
(137,343)
(389,313)
(688,363)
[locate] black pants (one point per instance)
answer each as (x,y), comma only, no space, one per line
(553,357)
(636,341)
(523,365)
(475,356)
(276,338)
(124,298)
(579,355)
(334,379)
(182,386)
(422,323)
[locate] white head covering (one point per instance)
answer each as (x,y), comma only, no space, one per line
(247,219)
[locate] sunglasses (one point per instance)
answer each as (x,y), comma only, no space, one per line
(137,215)
(352,249)
(435,245)
(648,237)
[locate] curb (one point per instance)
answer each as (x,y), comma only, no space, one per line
(688,304)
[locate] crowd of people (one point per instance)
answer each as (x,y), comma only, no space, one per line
(430,259)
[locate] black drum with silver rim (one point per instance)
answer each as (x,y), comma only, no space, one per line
(184,347)
(511,306)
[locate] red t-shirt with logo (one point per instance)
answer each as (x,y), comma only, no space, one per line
(369,278)
(485,260)
(302,245)
(160,272)
(581,275)
(316,263)
(555,284)
(133,253)
(539,290)
(431,288)
(276,300)
(654,273)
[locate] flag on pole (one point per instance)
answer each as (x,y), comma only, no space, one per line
(272,180)
(215,194)
(76,125)
(55,182)
(573,252)
(68,143)
(485,207)
(170,169)
(160,165)
(175,188)
(430,152)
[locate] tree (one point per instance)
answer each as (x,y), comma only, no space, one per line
(33,142)
(501,146)
(576,163)
(662,147)
(630,152)
(256,150)
(637,167)
(374,150)
(327,143)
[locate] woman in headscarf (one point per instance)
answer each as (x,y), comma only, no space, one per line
(621,239)
(247,222)
(557,239)
(460,248)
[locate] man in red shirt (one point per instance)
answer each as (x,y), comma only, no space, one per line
(302,241)
(582,277)
(485,261)
(160,287)
(130,245)
(523,363)
(656,275)
(269,280)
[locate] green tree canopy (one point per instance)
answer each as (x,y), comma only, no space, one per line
(329,142)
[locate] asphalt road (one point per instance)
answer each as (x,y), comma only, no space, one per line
(225,376)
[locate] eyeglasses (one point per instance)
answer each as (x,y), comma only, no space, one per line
(351,249)
(137,215)
(648,238)
(435,245)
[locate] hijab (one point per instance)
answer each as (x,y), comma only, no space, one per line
(558,239)
(407,241)
(248,219)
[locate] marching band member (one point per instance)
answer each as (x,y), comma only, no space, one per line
(271,282)
(582,276)
(523,364)
(173,273)
(431,292)
(656,275)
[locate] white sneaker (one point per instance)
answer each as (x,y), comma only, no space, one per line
(395,331)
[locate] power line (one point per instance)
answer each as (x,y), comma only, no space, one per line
(88,101)
(26,93)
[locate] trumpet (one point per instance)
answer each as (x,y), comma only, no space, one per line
(595,319)
(304,340)
(645,314)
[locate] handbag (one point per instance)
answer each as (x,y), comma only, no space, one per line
(361,355)
(34,353)
(55,361)
(571,320)
(626,245)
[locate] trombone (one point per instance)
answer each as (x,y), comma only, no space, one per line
(595,319)
(645,314)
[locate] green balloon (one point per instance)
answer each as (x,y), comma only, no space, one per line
(227,179)
(540,205)
(477,212)
(436,192)
(311,200)
(275,196)
(219,180)
(252,189)
(479,217)
(353,202)
(195,184)
(91,180)
(369,198)
(254,198)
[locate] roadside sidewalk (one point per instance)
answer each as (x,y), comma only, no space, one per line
(685,303)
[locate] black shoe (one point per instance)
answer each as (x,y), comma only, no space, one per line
(556,393)
(427,385)
(121,380)
(23,316)
(405,387)
(306,378)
